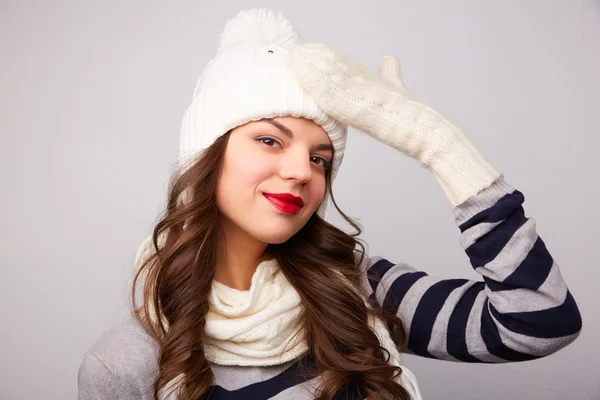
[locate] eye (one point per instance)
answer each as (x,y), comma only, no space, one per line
(321,161)
(269,141)
(270,52)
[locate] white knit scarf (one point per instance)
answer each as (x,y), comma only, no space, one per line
(261,326)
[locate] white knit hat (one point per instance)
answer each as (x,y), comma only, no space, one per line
(249,79)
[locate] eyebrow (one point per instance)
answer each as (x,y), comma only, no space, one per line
(287,131)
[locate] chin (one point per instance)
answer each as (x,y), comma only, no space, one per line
(277,233)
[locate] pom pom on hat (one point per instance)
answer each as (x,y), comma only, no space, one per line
(258,24)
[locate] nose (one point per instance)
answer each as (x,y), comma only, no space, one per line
(296,165)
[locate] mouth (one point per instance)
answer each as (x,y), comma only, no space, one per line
(285,202)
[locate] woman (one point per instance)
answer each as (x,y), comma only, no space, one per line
(245,292)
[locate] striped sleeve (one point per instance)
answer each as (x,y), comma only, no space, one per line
(521,310)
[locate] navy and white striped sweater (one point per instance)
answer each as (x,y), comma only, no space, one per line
(522,310)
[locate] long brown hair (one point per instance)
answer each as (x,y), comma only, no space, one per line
(319,261)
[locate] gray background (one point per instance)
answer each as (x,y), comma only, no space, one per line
(92,95)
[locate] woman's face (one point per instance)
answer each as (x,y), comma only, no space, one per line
(273,177)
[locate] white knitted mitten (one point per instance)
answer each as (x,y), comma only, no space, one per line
(383,108)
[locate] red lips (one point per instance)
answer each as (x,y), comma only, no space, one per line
(285,202)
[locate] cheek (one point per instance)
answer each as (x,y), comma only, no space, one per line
(316,191)
(242,174)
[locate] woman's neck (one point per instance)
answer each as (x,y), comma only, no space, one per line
(238,257)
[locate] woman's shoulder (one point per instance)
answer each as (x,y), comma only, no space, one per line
(375,269)
(121,364)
